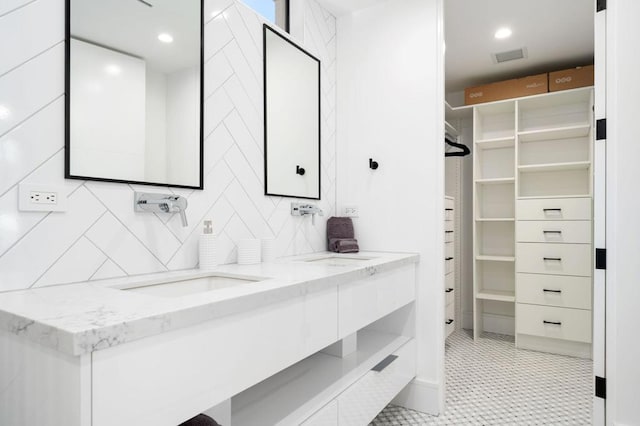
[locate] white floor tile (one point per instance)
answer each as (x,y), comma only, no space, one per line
(490,382)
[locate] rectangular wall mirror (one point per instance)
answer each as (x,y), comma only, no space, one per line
(291,118)
(134,80)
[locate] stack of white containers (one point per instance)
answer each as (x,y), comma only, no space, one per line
(249,251)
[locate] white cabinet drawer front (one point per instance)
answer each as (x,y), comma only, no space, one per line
(448,236)
(554,290)
(448,203)
(363,400)
(557,231)
(448,265)
(555,209)
(448,214)
(448,249)
(362,302)
(166,379)
(449,295)
(326,416)
(449,281)
(556,259)
(557,323)
(448,225)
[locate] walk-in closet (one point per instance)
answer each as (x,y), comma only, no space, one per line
(519,208)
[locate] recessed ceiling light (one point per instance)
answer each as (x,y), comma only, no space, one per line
(503,33)
(165,38)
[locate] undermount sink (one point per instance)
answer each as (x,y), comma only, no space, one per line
(184,287)
(339,260)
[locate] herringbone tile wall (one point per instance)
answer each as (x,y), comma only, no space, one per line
(100,236)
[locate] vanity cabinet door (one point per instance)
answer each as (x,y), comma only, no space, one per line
(367,300)
(169,378)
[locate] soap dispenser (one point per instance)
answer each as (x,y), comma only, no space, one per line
(207,247)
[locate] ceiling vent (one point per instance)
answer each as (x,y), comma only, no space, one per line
(511,55)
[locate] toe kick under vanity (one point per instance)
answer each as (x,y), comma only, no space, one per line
(315,340)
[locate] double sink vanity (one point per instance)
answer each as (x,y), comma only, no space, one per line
(321,339)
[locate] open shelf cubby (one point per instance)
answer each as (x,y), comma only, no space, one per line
(495,200)
(544,183)
(494,121)
(559,110)
(495,239)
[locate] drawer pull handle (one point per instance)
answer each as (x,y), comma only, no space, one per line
(552,232)
(448,258)
(449,321)
(448,232)
(384,363)
(552,322)
(546,290)
(449,210)
(449,290)
(555,259)
(551,210)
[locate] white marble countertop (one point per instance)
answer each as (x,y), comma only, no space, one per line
(84,317)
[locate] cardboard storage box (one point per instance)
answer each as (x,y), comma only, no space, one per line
(571,78)
(526,86)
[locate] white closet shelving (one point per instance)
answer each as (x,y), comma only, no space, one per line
(533,153)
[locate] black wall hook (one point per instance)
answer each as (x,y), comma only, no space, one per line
(373,165)
(300,170)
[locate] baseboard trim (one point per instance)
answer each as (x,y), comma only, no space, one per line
(420,395)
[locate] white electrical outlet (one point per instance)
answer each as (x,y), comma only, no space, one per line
(351,211)
(42,198)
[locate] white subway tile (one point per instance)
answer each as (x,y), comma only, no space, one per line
(79,263)
(108,270)
(28,88)
(21,266)
(117,242)
(19,45)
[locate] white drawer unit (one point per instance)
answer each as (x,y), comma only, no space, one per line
(558,231)
(553,322)
(364,301)
(555,259)
(554,290)
(554,209)
(449,288)
(448,249)
(326,416)
(449,265)
(363,400)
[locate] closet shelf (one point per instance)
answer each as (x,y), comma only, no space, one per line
(499,295)
(536,197)
(555,133)
(555,167)
(497,258)
(496,143)
(450,129)
(298,391)
(495,219)
(495,181)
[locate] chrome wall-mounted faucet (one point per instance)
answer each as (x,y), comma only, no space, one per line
(161,203)
(303,209)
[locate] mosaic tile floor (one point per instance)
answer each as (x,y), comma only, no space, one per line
(490,382)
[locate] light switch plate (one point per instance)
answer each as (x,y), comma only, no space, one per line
(42,198)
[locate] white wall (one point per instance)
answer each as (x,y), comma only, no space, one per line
(390,103)
(100,236)
(623,207)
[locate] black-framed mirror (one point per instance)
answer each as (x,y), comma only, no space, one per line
(292,118)
(134,91)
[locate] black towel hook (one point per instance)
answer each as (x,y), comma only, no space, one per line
(299,170)
(373,165)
